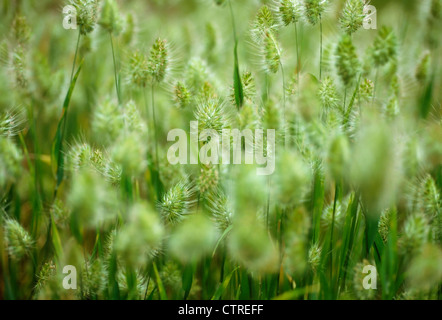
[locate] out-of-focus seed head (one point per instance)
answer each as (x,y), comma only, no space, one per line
(314,10)
(176,202)
(130,153)
(327,218)
(107,122)
(358,280)
(10,161)
(87,11)
(296,256)
(429,200)
(384,47)
(374,166)
(196,74)
(140,238)
(92,201)
(219,2)
(248,117)
(271,53)
(19,67)
(158,61)
(18,241)
(327,93)
(251,191)
(314,256)
(423,68)
(289,11)
(271,115)
(4,53)
(415,232)
(137,70)
(21,30)
(436,9)
(182,96)
(250,244)
(133,119)
(193,239)
(347,63)
(338,157)
(110,18)
(391,109)
(425,269)
(129,29)
(171,276)
(353,16)
(292,179)
(207,92)
(366,89)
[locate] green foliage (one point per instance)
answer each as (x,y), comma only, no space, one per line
(85,176)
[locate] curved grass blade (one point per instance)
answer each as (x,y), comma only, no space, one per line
(223,286)
(57,148)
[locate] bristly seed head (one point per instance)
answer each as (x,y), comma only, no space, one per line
(158,61)
(18,240)
(176,202)
(347,62)
(110,18)
(86,14)
(289,11)
(313,10)
(137,71)
(353,16)
(384,48)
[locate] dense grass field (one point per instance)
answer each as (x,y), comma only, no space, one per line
(92,205)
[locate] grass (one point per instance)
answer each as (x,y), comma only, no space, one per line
(85,178)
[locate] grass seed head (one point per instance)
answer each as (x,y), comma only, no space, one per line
(353,16)
(10,161)
(384,47)
(107,122)
(87,11)
(314,257)
(423,68)
(250,244)
(327,93)
(289,11)
(146,225)
(384,225)
(110,18)
(176,202)
(415,232)
(347,63)
(193,239)
(21,30)
(137,70)
(18,241)
(314,10)
(158,61)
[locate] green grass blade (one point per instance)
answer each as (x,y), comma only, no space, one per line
(223,286)
(160,286)
(238,88)
(57,149)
